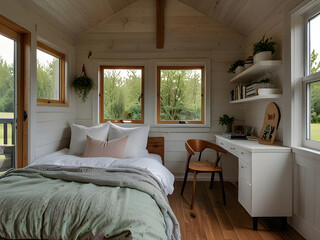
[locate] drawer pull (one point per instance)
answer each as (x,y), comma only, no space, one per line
(221,144)
(242,167)
(232,148)
(242,152)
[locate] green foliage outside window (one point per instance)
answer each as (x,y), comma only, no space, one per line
(180,95)
(122,94)
(48,79)
(6,86)
(314,99)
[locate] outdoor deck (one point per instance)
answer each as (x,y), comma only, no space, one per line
(7,144)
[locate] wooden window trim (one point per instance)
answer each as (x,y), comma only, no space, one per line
(101,95)
(23,37)
(159,68)
(49,102)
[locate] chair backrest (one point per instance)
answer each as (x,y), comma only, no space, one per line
(198,145)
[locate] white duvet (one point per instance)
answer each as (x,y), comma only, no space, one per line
(150,163)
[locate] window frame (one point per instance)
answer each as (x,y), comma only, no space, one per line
(307,79)
(62,95)
(101,94)
(203,91)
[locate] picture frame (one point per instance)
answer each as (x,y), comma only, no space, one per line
(270,125)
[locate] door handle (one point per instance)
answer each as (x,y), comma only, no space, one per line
(25,116)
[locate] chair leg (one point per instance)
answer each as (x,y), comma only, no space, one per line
(184,181)
(212,180)
(194,188)
(222,188)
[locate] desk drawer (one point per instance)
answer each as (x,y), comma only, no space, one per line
(245,195)
(245,171)
(245,156)
(229,147)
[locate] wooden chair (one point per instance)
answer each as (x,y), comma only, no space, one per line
(198,145)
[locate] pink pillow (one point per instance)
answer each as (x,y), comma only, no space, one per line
(98,148)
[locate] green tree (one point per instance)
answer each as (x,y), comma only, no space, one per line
(6,87)
(314,65)
(48,80)
(180,95)
(315,89)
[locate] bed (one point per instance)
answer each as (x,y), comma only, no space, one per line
(65,196)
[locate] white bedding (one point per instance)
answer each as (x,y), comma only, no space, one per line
(151,163)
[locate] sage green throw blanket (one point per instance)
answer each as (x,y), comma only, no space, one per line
(50,202)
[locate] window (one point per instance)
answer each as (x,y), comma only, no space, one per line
(50,76)
(180,95)
(312,81)
(121,94)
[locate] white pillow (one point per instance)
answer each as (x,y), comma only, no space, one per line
(79,136)
(137,141)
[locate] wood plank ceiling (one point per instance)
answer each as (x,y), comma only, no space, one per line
(75,17)
(243,16)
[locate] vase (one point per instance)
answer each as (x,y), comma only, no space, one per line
(261,56)
(228,128)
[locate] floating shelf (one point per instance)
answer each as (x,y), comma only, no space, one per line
(256,70)
(258,97)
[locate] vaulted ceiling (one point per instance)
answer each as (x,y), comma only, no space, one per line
(74,17)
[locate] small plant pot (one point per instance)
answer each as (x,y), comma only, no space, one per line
(239,69)
(228,128)
(247,65)
(262,56)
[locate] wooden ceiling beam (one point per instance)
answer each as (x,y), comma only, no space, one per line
(160,23)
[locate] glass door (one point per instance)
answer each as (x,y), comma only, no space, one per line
(8,79)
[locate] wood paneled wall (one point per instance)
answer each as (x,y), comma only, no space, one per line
(131,36)
(48,126)
(306,195)
(254,111)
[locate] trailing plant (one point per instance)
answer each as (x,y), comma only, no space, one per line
(83,85)
(233,67)
(265,80)
(226,120)
(263,45)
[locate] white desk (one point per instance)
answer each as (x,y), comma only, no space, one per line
(265,177)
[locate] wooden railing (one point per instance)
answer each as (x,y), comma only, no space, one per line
(6,122)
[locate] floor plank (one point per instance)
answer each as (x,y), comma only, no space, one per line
(211,220)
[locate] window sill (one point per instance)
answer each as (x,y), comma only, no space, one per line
(307,152)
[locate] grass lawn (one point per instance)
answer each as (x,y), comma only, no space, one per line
(315,131)
(6,115)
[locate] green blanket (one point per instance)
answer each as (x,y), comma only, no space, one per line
(50,202)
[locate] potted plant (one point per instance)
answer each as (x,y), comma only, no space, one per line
(263,50)
(227,121)
(237,67)
(82,85)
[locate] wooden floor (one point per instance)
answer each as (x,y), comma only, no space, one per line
(210,219)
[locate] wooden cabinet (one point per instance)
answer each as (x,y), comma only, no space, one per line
(265,177)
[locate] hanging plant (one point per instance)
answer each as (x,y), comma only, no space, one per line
(83,85)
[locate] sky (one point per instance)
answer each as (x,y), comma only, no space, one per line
(7,51)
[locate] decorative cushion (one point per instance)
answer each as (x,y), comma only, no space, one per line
(137,141)
(98,148)
(79,136)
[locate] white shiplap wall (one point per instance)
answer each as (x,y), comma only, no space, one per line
(254,111)
(48,128)
(130,36)
(306,174)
